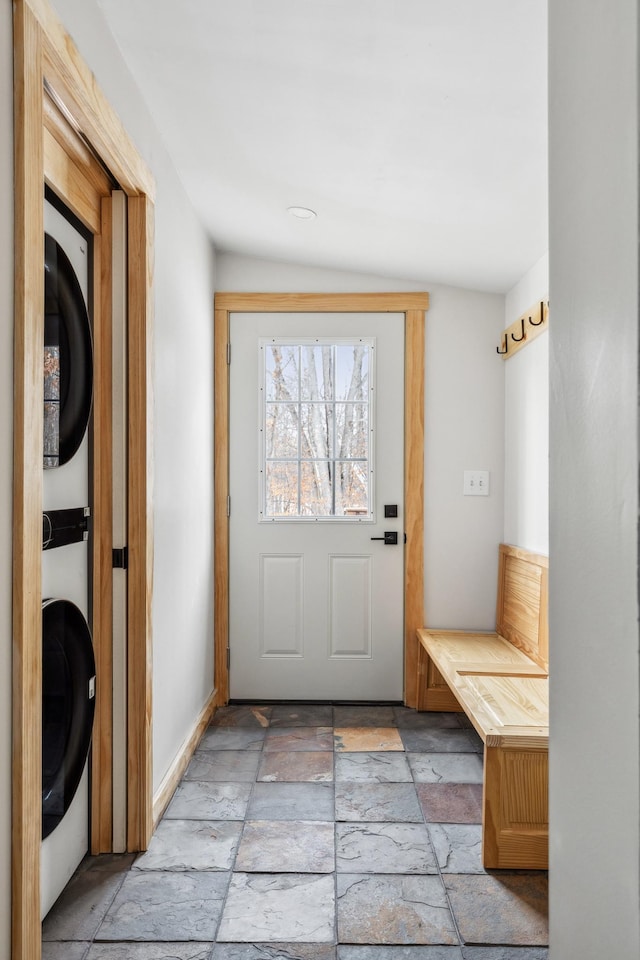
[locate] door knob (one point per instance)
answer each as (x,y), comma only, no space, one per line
(390,538)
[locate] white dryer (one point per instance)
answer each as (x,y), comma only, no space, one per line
(68,662)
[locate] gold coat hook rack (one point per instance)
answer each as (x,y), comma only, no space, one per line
(524,330)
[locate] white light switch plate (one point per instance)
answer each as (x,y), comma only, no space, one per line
(476,483)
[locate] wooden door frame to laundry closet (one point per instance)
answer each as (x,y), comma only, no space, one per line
(413,306)
(45,59)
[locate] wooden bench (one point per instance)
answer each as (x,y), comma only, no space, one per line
(500,681)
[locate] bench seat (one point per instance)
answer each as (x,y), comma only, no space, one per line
(504,706)
(443,653)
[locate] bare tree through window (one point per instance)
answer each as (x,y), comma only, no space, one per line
(316,427)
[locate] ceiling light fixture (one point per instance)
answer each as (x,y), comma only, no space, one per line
(302,213)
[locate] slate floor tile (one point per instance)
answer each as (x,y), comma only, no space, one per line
(79,910)
(367,739)
(446,767)
(384,848)
(232,738)
(505,953)
(438,740)
(238,766)
(151,906)
(375,802)
(291,801)
(302,715)
(348,952)
(504,908)
(205,800)
(393,910)
(299,738)
(314,766)
(274,951)
(451,802)
(458,847)
(407,719)
(385,767)
(241,715)
(65,950)
(284,846)
(296,908)
(191,845)
(476,741)
(363,716)
(150,951)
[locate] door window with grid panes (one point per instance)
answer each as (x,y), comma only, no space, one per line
(316,429)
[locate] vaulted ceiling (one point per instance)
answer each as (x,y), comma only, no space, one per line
(415,129)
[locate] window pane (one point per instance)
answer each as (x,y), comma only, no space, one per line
(281,489)
(352,489)
(281,372)
(316,495)
(317,373)
(352,372)
(281,431)
(352,431)
(316,423)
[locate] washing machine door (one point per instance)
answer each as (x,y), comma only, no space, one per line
(68,358)
(68,702)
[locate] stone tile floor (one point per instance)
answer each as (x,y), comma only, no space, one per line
(312,832)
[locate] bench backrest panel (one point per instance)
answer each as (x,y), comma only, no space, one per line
(522,606)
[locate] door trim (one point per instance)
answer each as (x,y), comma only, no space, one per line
(414,307)
(45,54)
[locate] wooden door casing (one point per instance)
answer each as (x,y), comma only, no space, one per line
(45,59)
(414,307)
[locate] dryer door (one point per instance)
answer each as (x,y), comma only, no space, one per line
(68,367)
(68,701)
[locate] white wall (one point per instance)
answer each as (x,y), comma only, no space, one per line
(526,484)
(183,483)
(464,428)
(6,439)
(595,675)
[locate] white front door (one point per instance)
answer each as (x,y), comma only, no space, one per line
(316,455)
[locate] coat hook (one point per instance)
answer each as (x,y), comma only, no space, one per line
(522,333)
(541,320)
(506,346)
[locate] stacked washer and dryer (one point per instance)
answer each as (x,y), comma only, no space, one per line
(68,694)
